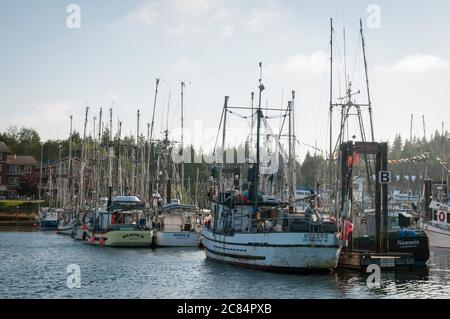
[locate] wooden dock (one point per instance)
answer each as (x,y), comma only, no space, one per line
(361,260)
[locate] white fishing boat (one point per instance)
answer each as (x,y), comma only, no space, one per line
(120,225)
(272,239)
(66,228)
(48,219)
(251,228)
(178,226)
(438,228)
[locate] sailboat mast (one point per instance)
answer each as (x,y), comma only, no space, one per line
(182,139)
(258,128)
(150,145)
(83,155)
(69,174)
(330,164)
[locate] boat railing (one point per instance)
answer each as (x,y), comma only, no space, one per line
(289,224)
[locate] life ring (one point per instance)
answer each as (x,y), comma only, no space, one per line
(441,216)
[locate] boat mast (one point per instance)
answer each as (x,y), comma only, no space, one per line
(69,174)
(110,184)
(83,163)
(182,140)
(330,164)
(367,79)
(294,143)
(60,193)
(150,145)
(258,128)
(290,181)
(40,176)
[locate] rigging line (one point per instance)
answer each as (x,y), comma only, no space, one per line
(358,49)
(218,132)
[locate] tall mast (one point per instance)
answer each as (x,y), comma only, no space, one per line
(182,139)
(294,143)
(252,124)
(330,168)
(290,182)
(83,162)
(443,154)
(40,175)
(258,128)
(69,174)
(137,191)
(367,80)
(60,193)
(110,182)
(150,141)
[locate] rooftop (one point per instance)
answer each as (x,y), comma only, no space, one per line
(21,160)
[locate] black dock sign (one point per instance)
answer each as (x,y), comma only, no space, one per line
(384,177)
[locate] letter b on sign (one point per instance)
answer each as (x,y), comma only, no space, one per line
(384,177)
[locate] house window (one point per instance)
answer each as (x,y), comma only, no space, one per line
(1,167)
(27,169)
(13,181)
(1,156)
(13,169)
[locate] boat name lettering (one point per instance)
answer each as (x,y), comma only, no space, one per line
(409,243)
(315,238)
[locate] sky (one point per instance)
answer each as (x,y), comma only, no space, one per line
(50,70)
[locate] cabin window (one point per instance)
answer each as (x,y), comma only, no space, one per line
(448,218)
(434,215)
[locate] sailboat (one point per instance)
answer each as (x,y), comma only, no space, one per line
(255,230)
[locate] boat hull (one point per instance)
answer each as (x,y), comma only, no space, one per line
(439,238)
(121,238)
(416,244)
(275,252)
(66,229)
(176,239)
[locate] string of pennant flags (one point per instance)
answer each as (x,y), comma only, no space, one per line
(421,158)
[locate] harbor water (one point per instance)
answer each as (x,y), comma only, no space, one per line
(34,265)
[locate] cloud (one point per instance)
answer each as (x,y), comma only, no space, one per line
(192,8)
(51,120)
(184,66)
(227,31)
(262,18)
(417,63)
(145,15)
(315,62)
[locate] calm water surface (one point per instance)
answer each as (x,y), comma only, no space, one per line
(33,265)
